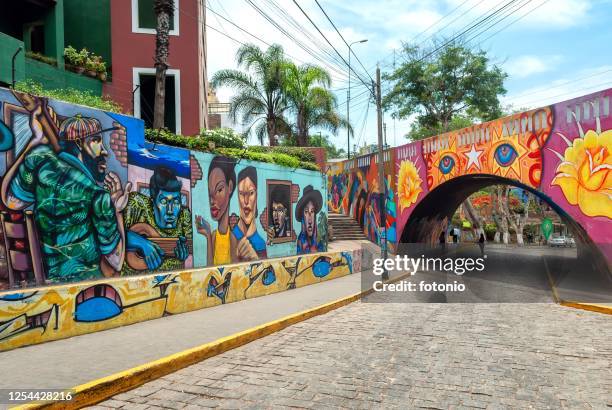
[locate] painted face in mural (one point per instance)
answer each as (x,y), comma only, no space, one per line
(167,208)
(247,196)
(219,193)
(94,156)
(279,215)
(310,218)
(165,191)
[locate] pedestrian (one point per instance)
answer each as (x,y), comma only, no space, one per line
(443,240)
(481,244)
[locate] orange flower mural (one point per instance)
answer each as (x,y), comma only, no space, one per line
(408,184)
(584,172)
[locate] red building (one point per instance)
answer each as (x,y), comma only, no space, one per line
(133,73)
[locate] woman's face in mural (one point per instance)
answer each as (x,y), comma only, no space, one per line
(94,156)
(219,192)
(309,218)
(247,196)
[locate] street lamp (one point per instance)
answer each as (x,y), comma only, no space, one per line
(348,101)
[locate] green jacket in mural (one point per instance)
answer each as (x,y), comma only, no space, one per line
(74,215)
(140,210)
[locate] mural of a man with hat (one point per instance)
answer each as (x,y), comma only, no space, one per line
(306,210)
(77,204)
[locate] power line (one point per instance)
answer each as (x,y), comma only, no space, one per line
(331,45)
(342,37)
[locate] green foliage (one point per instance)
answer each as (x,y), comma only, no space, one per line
(320,140)
(223,137)
(229,144)
(39,57)
(70,95)
(419,132)
(490,229)
(301,153)
(75,57)
(438,86)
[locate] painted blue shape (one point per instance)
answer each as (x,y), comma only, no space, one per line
(349,260)
(159,279)
(269,277)
(6,137)
(96,309)
(321,268)
(18,296)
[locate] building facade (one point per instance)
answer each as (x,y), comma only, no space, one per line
(34,33)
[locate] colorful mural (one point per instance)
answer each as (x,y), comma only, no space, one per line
(354,189)
(59,312)
(563,150)
(83,196)
(248,211)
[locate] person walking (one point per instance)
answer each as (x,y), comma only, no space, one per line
(481,244)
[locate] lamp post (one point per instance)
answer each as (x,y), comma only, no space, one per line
(348,101)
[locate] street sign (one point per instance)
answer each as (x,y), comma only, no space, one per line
(547,227)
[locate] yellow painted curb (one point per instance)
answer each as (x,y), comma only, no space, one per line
(98,390)
(592,307)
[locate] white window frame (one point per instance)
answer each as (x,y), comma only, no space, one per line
(140,30)
(137,71)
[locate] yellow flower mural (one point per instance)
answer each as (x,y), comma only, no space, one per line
(584,173)
(408,184)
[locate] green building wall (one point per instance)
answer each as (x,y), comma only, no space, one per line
(87,24)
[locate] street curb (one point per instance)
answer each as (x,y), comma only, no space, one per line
(93,392)
(592,307)
(588,306)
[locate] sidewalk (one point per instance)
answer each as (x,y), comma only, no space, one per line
(66,363)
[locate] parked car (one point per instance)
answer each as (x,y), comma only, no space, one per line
(562,241)
(557,241)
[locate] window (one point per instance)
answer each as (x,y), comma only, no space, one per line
(145,21)
(145,95)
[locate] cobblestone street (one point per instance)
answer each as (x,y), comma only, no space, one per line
(383,355)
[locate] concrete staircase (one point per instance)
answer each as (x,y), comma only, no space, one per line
(344,228)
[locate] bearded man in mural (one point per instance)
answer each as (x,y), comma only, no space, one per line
(158,226)
(280,213)
(77,204)
(306,212)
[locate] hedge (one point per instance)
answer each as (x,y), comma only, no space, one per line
(230,144)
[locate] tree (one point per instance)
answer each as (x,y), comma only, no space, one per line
(319,140)
(260,99)
(419,132)
(164,10)
(439,86)
(306,87)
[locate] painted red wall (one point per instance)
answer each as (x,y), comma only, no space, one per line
(137,50)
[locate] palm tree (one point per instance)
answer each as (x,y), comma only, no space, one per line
(164,10)
(307,90)
(259,98)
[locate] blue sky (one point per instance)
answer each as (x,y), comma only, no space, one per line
(559,49)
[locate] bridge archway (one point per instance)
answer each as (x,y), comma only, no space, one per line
(431,215)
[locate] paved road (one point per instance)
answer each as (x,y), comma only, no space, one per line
(406,355)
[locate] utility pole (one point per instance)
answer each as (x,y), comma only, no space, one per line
(381,175)
(348,113)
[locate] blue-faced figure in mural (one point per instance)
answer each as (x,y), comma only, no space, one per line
(158,226)
(306,210)
(77,204)
(250,246)
(221,243)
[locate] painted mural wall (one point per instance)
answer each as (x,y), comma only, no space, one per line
(83,196)
(61,311)
(354,189)
(564,151)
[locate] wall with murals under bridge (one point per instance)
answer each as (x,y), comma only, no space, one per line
(562,151)
(97,223)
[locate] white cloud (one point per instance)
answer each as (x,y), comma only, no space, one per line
(581,83)
(527,65)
